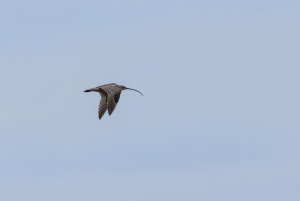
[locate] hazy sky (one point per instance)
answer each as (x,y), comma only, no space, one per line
(219,119)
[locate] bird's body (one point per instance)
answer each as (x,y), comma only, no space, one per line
(110,95)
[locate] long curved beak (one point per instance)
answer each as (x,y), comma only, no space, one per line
(134,90)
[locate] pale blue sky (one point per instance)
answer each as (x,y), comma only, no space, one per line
(219,119)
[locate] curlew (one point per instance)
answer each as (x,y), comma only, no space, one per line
(110,95)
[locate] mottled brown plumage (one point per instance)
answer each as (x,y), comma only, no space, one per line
(110,95)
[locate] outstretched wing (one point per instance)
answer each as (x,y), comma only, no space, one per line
(102,106)
(112,101)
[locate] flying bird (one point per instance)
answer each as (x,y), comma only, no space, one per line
(110,95)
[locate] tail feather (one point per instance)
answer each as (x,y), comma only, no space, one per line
(92,89)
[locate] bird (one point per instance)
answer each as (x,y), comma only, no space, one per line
(110,95)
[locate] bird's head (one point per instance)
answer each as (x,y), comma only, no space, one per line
(122,87)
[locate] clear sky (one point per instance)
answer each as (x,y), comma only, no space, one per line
(219,119)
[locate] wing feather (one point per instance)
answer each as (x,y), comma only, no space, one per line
(117,97)
(102,107)
(112,101)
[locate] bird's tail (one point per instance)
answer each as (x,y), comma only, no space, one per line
(92,89)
